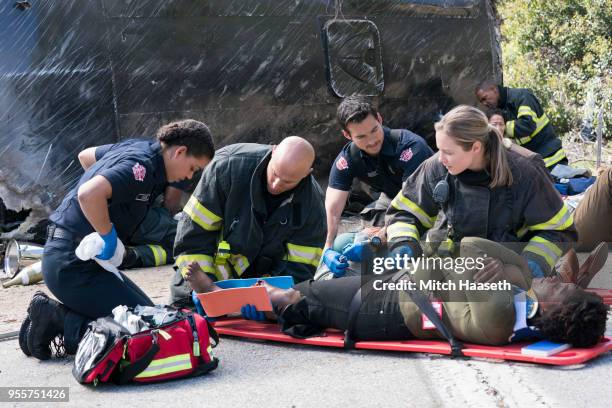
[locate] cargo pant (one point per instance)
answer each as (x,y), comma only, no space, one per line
(593,216)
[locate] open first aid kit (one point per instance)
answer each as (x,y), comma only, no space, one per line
(145,344)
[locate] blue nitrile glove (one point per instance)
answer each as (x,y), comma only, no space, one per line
(536,270)
(354,251)
(110,245)
(401,251)
(250,312)
(334,262)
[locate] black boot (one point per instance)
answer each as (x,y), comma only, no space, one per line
(47,316)
(23,336)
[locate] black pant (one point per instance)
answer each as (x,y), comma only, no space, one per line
(87,289)
(326,304)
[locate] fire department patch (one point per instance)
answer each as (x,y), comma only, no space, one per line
(406,155)
(342,164)
(139,171)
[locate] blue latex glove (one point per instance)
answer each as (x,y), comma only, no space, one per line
(250,312)
(354,251)
(335,262)
(110,245)
(401,251)
(536,271)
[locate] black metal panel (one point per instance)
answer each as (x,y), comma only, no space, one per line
(55,97)
(76,73)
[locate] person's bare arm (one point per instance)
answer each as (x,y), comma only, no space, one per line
(335,200)
(93,198)
(172,199)
(87,157)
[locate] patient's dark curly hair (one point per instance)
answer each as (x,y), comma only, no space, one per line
(580,320)
(190,133)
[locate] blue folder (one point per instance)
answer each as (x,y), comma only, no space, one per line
(283,282)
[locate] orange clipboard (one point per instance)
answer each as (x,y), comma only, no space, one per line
(227,301)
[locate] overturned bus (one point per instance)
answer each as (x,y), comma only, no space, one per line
(80,73)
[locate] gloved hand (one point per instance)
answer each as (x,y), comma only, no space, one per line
(536,270)
(354,251)
(250,312)
(335,262)
(401,251)
(110,245)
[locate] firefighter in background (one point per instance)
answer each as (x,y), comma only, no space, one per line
(526,122)
(256,211)
(483,190)
(152,242)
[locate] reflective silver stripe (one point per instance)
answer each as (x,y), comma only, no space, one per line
(202,216)
(562,220)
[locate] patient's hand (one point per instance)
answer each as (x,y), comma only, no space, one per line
(492,271)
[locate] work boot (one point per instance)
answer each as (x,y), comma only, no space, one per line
(593,264)
(23,336)
(568,267)
(47,323)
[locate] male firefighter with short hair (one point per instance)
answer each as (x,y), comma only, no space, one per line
(526,121)
(257,211)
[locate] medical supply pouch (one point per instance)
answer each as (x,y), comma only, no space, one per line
(177,347)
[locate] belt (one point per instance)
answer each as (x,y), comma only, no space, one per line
(54,231)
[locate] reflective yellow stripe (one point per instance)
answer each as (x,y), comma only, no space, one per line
(167,365)
(554,158)
(240,263)
(526,111)
(400,202)
(222,272)
(159,254)
(303,254)
(206,262)
(510,128)
(402,229)
(522,231)
(562,220)
(201,215)
(544,248)
(539,121)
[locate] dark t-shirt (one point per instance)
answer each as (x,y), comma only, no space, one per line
(135,173)
(185,185)
(395,160)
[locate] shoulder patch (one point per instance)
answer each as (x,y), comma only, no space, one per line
(342,164)
(139,171)
(406,155)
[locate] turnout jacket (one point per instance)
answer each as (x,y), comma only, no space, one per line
(530,211)
(228,205)
(528,125)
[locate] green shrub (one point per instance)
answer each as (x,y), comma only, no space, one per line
(562,50)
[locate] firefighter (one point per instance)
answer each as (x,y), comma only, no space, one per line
(380,157)
(480,189)
(152,242)
(111,198)
(257,211)
(526,121)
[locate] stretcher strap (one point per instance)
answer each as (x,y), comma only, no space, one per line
(418,298)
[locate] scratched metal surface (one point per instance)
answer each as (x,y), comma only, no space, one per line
(77,73)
